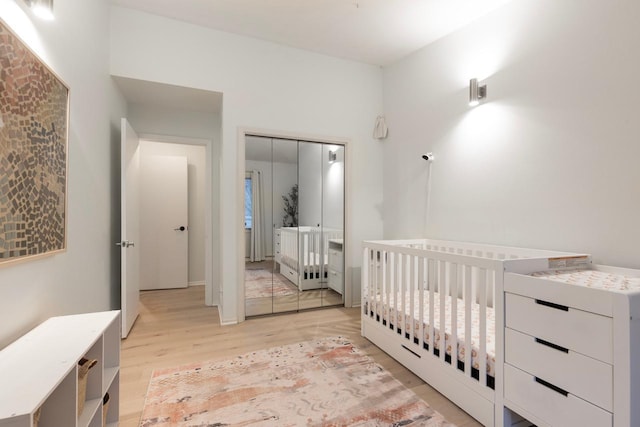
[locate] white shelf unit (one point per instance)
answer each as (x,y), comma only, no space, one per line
(40,370)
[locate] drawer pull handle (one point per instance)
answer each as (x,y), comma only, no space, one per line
(552,305)
(552,387)
(552,345)
(411,351)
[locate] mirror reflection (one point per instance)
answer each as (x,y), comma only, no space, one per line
(294,222)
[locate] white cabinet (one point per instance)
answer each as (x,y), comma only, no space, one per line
(336,266)
(276,245)
(39,373)
(571,350)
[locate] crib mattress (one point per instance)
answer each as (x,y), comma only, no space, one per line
(592,279)
(391,312)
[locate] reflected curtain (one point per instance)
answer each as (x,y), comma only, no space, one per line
(257,218)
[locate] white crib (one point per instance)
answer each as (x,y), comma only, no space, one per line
(303,254)
(410,288)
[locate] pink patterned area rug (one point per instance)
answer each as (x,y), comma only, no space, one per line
(325,382)
(261,283)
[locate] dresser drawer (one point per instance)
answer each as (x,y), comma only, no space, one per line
(587,378)
(335,260)
(336,281)
(551,406)
(587,333)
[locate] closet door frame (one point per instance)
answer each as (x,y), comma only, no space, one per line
(240,167)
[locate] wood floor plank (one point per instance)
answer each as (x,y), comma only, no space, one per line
(175,328)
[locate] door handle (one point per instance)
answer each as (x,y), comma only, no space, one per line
(181,228)
(126,244)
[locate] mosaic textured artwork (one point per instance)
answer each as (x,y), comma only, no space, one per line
(324,382)
(33,153)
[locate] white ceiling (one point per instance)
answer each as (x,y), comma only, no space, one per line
(377,32)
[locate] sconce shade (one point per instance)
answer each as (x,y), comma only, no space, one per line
(476,92)
(332,156)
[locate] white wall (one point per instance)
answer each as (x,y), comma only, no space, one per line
(285,177)
(310,184)
(86,277)
(196,163)
(265,86)
(321,192)
(333,188)
(550,160)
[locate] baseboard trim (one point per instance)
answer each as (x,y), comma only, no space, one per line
(198,283)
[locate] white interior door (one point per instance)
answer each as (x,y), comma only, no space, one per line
(164,226)
(129,186)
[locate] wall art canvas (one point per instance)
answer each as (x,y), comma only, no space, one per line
(34,105)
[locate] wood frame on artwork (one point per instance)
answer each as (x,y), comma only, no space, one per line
(34,140)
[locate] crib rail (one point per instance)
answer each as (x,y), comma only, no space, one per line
(417,287)
(305,249)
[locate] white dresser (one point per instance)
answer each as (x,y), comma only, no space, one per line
(571,352)
(336,266)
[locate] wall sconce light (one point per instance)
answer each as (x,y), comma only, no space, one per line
(332,156)
(41,8)
(476,92)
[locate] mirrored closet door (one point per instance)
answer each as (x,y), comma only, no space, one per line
(297,218)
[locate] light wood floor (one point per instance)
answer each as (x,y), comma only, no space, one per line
(175,328)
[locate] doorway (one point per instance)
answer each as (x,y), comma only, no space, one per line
(294,225)
(172,214)
(182,116)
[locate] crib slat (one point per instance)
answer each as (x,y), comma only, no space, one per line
(482,355)
(366,285)
(432,286)
(442,326)
(453,277)
(393,273)
(401,302)
(411,282)
(406,286)
(421,284)
(468,301)
(385,287)
(309,240)
(375,272)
